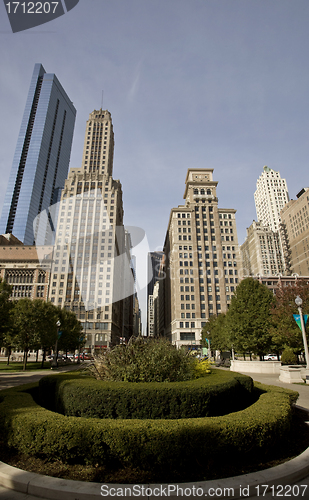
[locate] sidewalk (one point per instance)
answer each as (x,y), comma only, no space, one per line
(11,379)
(273,379)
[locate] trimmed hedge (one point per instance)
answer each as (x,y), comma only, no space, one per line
(33,430)
(215,394)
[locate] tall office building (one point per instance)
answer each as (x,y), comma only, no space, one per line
(92,273)
(154,263)
(201,260)
(295,233)
(41,159)
(262,252)
(270,197)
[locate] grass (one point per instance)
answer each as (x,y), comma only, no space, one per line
(17,366)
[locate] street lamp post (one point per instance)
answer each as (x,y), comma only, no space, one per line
(55,358)
(298,302)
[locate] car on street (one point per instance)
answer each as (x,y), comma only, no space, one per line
(84,356)
(270,357)
(61,360)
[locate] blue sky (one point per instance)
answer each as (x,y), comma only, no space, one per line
(219,84)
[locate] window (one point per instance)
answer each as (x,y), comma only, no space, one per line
(187,336)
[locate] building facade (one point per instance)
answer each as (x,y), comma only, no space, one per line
(202,260)
(92,273)
(270,197)
(154,263)
(262,251)
(295,233)
(275,283)
(41,159)
(26,269)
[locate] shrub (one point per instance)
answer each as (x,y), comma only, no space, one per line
(144,360)
(288,357)
(219,393)
(201,368)
(34,430)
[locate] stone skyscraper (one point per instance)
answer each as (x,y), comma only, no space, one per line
(295,233)
(270,197)
(41,159)
(91,274)
(263,252)
(201,260)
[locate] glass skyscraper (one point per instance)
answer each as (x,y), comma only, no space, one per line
(41,160)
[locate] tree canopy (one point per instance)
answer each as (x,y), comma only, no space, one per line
(34,326)
(249,317)
(71,331)
(216,332)
(285,332)
(5,307)
(258,321)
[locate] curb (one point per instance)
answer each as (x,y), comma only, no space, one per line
(247,485)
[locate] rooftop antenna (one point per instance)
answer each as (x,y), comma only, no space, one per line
(102,99)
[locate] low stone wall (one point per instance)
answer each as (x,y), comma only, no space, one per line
(255,366)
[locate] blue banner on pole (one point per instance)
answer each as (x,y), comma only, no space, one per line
(297,319)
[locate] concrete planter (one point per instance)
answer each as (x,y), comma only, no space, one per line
(255,366)
(293,374)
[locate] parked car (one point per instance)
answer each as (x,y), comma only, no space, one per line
(61,360)
(70,357)
(270,357)
(84,356)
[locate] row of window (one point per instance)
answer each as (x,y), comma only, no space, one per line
(76,297)
(187,324)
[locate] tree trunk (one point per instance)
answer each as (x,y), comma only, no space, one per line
(43,358)
(9,351)
(25,359)
(37,356)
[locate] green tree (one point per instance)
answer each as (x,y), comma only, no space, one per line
(248,319)
(9,340)
(285,332)
(216,332)
(25,326)
(71,337)
(46,316)
(5,307)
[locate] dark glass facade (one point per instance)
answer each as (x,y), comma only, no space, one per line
(41,160)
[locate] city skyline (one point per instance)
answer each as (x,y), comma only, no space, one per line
(218,85)
(203,84)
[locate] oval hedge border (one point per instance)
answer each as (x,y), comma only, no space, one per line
(215,394)
(33,430)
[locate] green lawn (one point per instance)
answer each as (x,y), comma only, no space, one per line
(17,366)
